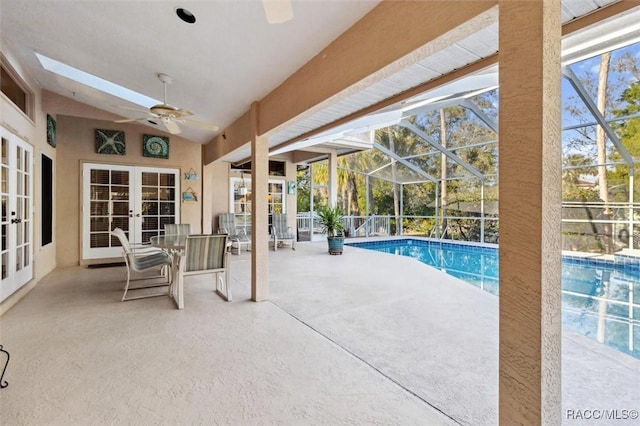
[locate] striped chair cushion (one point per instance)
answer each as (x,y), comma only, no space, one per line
(205,252)
(177,229)
(280,227)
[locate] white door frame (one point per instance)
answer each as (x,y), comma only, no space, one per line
(135,202)
(17,214)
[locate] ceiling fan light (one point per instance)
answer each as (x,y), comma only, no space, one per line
(169,115)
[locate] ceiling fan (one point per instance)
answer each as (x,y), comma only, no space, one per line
(168,115)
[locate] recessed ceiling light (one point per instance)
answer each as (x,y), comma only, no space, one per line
(185,15)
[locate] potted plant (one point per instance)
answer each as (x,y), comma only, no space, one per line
(331,220)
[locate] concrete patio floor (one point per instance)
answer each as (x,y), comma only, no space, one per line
(362,338)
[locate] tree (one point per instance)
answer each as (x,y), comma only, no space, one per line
(603,185)
(443,169)
(603,76)
(303,190)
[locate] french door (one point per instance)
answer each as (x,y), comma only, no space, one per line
(16,224)
(138,200)
(240,201)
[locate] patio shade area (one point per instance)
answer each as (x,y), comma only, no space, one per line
(363,338)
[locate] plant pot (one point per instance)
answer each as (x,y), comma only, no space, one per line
(335,244)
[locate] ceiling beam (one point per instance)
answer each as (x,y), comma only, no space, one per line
(599,15)
(455,75)
(386,40)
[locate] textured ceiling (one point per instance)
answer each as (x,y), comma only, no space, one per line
(228,59)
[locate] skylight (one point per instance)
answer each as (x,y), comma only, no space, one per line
(98,83)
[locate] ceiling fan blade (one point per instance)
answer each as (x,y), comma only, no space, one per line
(129,120)
(277,11)
(200,124)
(171,126)
(181,112)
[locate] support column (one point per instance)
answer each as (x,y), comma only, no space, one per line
(530,203)
(333,178)
(259,211)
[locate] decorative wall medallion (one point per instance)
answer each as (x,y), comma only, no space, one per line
(51,131)
(155,146)
(110,142)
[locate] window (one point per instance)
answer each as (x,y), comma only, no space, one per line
(15,89)
(276,168)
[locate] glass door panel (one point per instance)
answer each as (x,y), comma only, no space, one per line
(158,197)
(240,203)
(138,200)
(15,222)
(4,170)
(106,205)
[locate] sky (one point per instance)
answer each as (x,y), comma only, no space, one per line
(588,69)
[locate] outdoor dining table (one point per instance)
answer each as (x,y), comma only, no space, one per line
(175,244)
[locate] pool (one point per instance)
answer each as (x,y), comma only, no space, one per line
(600,299)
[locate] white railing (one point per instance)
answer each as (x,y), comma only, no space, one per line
(367,226)
(354,226)
(308,225)
(589,226)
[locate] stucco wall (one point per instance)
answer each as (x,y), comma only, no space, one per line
(76,145)
(216,199)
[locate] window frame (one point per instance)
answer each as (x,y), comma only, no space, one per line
(29,108)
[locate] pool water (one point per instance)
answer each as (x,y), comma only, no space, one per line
(600,299)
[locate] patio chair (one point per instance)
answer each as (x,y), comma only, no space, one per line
(281,232)
(177,229)
(237,236)
(140,259)
(205,254)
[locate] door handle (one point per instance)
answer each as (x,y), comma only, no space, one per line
(16,220)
